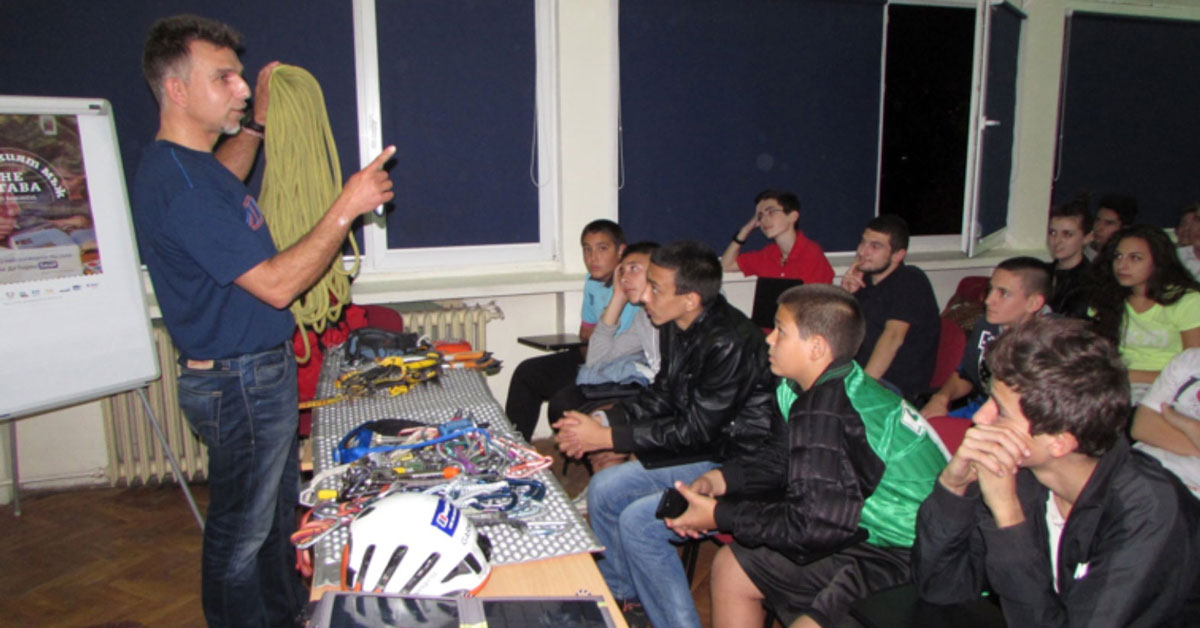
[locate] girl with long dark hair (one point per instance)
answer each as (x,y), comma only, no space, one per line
(1145,300)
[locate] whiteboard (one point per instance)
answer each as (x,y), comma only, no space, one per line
(73,318)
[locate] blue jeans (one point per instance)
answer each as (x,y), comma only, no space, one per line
(244,409)
(967,411)
(639,559)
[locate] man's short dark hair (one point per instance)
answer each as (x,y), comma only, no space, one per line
(1190,208)
(644,247)
(787,200)
(1075,208)
(1124,205)
(827,311)
(1070,379)
(607,226)
(167,46)
(894,227)
(697,269)
(1035,274)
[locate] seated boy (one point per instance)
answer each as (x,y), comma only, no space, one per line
(628,357)
(1166,423)
(1187,236)
(855,455)
(537,379)
(898,305)
(711,401)
(1017,293)
(1046,501)
(790,254)
(1114,212)
(1067,237)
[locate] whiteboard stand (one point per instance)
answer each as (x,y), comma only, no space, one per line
(12,459)
(158,432)
(162,439)
(97,315)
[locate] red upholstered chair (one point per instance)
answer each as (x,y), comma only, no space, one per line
(973,288)
(353,317)
(951,430)
(966,304)
(951,344)
(383,317)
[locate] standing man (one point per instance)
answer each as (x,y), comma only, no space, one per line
(899,307)
(1046,501)
(223,289)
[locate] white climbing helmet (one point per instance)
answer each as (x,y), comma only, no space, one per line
(415,544)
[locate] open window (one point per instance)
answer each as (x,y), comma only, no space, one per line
(949,115)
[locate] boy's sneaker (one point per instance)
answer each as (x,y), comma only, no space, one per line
(579,502)
(635,613)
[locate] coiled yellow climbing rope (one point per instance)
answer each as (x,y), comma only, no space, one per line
(302,178)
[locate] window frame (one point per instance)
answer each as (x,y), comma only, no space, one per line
(546,253)
(968,241)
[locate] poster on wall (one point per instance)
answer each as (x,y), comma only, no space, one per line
(46,224)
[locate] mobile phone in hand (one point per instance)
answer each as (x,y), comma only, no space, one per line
(672,504)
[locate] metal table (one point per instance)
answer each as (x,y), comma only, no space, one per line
(435,403)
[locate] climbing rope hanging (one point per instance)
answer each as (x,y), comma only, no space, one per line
(303,177)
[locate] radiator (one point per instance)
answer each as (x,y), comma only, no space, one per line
(460,322)
(134,453)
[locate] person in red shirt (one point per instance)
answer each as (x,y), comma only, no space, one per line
(789,254)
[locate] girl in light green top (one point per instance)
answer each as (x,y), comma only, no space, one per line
(1145,300)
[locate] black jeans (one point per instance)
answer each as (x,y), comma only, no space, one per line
(537,380)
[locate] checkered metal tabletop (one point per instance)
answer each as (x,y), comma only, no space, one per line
(435,403)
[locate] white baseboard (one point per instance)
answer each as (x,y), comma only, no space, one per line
(83,479)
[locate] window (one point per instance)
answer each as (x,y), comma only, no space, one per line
(461,88)
(720,100)
(1128,109)
(949,116)
(926,108)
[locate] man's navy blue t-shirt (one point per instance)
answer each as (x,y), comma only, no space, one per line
(904,295)
(199,229)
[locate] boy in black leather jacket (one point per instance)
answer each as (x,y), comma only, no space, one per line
(710,400)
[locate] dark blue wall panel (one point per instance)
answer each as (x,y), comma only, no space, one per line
(94,49)
(1130,120)
(721,99)
(457,82)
